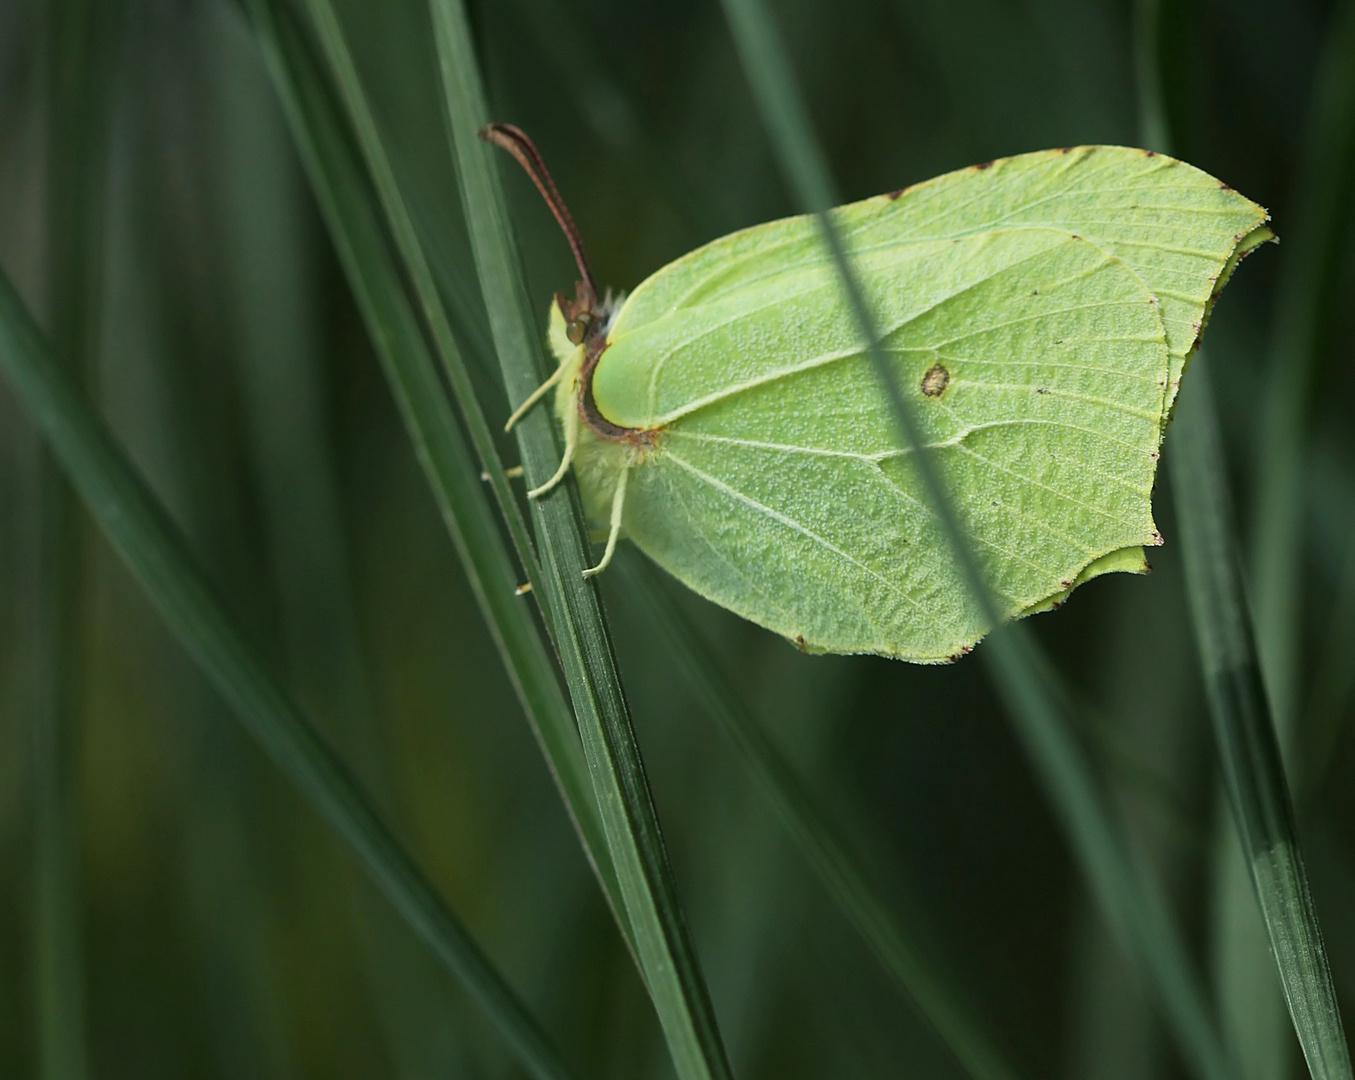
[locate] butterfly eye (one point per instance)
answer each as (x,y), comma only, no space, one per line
(578,326)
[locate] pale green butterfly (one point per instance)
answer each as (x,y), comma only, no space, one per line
(1041,310)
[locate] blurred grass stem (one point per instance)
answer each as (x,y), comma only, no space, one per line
(822,846)
(433,428)
(1244,728)
(351,212)
(140,531)
(1250,754)
(272,291)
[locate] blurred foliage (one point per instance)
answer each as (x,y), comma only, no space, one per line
(223,931)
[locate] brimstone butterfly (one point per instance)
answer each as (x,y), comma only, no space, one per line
(1041,310)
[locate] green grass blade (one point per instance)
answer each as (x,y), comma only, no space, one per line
(667,958)
(1248,747)
(1250,998)
(1312,255)
(271,284)
(142,534)
(1022,675)
(401,224)
(827,853)
(349,208)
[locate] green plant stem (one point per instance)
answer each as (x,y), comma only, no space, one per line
(1244,728)
(583,643)
(1250,753)
(355,226)
(1250,998)
(142,534)
(401,224)
(1022,675)
(827,853)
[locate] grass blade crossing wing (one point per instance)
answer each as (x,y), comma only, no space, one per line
(1023,676)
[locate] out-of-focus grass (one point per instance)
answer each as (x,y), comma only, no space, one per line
(1245,716)
(644,116)
(82,41)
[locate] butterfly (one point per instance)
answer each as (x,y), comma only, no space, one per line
(1040,310)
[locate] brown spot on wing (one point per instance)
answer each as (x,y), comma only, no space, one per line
(935,380)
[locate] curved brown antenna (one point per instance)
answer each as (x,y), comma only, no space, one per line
(513,139)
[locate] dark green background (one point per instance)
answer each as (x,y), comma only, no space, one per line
(224,931)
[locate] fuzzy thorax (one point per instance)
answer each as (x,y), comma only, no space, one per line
(598,463)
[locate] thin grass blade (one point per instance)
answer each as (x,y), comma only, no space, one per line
(350,210)
(667,958)
(1250,999)
(1248,747)
(1023,677)
(826,851)
(142,534)
(401,224)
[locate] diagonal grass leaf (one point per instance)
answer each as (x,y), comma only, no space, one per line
(349,207)
(142,534)
(401,224)
(827,853)
(1248,748)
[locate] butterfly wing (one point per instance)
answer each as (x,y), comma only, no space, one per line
(1039,312)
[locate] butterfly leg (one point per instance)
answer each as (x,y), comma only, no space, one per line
(571,440)
(618,502)
(535,396)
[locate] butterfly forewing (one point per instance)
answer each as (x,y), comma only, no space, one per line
(1037,312)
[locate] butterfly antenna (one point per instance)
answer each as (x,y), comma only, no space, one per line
(515,141)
